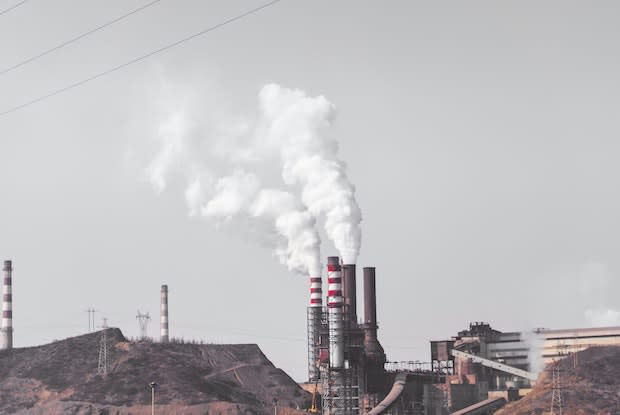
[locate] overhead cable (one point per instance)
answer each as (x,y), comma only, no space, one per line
(16,5)
(136,60)
(75,39)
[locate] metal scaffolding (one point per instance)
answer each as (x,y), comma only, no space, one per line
(314,326)
(340,391)
(341,386)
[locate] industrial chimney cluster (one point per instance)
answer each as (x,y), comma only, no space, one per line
(344,355)
(7,306)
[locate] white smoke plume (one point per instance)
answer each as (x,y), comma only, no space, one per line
(294,125)
(535,342)
(296,224)
(291,130)
(239,196)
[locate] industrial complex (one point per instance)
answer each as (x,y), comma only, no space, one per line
(475,371)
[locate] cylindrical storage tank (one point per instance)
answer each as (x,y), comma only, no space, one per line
(314,324)
(163,316)
(349,291)
(7,306)
(334,305)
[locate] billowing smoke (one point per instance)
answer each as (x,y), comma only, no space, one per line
(294,223)
(291,129)
(535,342)
(295,125)
(241,194)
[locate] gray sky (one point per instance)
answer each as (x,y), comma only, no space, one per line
(482,138)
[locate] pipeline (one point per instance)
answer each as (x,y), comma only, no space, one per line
(392,396)
(483,407)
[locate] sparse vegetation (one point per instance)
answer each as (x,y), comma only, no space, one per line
(187,372)
(590,388)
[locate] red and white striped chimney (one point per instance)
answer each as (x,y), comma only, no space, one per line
(314,325)
(163,316)
(7,307)
(334,304)
(316,292)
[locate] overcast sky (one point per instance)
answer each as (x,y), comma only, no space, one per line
(482,138)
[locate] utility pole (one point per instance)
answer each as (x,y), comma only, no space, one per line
(143,323)
(102,367)
(152,385)
(91,319)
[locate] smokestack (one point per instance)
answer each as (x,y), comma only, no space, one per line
(334,304)
(316,292)
(349,291)
(372,347)
(163,319)
(314,325)
(7,307)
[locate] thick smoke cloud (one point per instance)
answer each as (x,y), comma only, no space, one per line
(223,172)
(296,224)
(241,194)
(295,126)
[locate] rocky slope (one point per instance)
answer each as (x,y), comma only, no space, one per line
(61,378)
(593,387)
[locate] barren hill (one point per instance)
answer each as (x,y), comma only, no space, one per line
(61,378)
(593,387)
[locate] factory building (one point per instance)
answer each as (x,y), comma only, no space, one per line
(482,362)
(480,368)
(560,343)
(345,359)
(347,366)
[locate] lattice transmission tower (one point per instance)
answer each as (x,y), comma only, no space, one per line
(556,396)
(143,324)
(102,367)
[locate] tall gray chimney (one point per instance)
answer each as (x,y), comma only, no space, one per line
(372,347)
(349,291)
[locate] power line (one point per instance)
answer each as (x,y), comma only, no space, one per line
(12,7)
(75,39)
(138,59)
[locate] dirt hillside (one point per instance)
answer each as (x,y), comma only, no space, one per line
(61,378)
(591,388)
